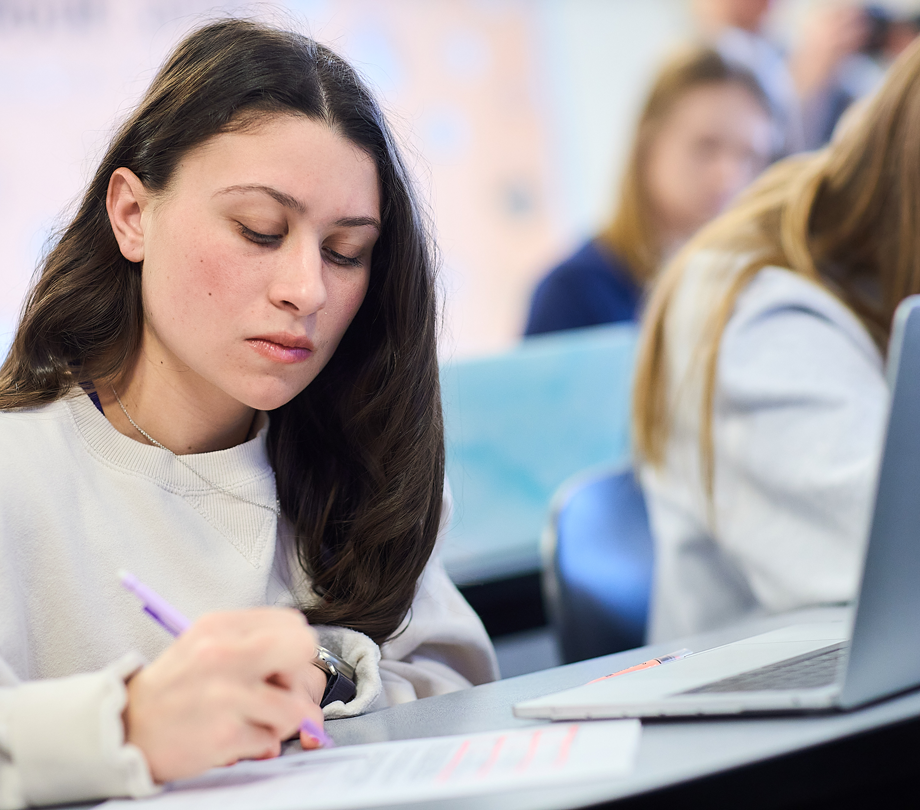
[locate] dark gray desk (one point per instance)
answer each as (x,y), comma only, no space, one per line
(670,753)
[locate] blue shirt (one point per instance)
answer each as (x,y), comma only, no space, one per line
(591,287)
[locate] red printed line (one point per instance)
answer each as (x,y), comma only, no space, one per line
(524,764)
(493,757)
(566,747)
(451,766)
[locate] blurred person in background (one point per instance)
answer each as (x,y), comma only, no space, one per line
(861,73)
(760,399)
(840,56)
(704,134)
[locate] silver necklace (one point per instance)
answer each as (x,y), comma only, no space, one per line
(277,506)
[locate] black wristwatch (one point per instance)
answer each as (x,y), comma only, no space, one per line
(340,677)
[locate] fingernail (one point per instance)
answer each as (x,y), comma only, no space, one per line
(322,739)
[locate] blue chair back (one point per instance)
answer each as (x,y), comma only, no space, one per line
(598,565)
(517,425)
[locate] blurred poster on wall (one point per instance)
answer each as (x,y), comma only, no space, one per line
(460,80)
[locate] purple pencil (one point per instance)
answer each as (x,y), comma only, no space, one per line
(155,605)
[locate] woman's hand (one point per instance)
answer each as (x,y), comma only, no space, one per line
(314,682)
(233,686)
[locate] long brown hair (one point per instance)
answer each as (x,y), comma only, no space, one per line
(847,218)
(630,232)
(359,454)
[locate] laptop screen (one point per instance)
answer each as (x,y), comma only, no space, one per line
(885,650)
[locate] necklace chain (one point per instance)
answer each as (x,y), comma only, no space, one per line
(277,506)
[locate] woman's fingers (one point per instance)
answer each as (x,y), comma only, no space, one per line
(261,642)
(277,709)
(232,687)
(236,738)
(312,733)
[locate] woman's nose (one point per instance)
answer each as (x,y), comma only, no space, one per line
(729,176)
(299,284)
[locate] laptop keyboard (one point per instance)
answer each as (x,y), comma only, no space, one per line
(818,668)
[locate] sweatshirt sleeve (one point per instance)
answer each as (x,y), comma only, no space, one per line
(799,423)
(444,647)
(441,647)
(62,739)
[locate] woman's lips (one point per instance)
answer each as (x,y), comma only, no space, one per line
(282,348)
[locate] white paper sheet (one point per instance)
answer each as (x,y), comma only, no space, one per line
(406,771)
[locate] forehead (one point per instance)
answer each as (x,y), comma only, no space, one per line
(293,153)
(716,103)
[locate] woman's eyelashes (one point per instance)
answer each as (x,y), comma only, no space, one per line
(345,261)
(332,255)
(260,238)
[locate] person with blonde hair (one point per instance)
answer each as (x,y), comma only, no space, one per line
(704,133)
(760,399)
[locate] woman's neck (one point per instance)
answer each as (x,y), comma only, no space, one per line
(668,240)
(182,418)
(668,246)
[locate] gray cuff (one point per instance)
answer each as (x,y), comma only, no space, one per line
(360,651)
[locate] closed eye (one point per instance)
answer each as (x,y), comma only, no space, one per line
(344,261)
(260,238)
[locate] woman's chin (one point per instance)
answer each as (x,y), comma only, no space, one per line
(268,398)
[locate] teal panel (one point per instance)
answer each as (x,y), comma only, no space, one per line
(520,423)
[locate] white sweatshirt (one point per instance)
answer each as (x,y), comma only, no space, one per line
(78,502)
(799,418)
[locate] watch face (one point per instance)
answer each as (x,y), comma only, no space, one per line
(331,663)
(340,684)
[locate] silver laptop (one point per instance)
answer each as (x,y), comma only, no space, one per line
(806,667)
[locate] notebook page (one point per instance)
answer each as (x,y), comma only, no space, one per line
(407,771)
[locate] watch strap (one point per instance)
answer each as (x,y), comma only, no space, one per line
(340,677)
(338,687)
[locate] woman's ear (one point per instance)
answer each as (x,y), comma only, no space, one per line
(125,202)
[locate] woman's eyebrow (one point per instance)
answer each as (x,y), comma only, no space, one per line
(279,196)
(296,205)
(359,222)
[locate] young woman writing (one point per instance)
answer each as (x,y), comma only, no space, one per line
(760,399)
(705,132)
(225,382)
